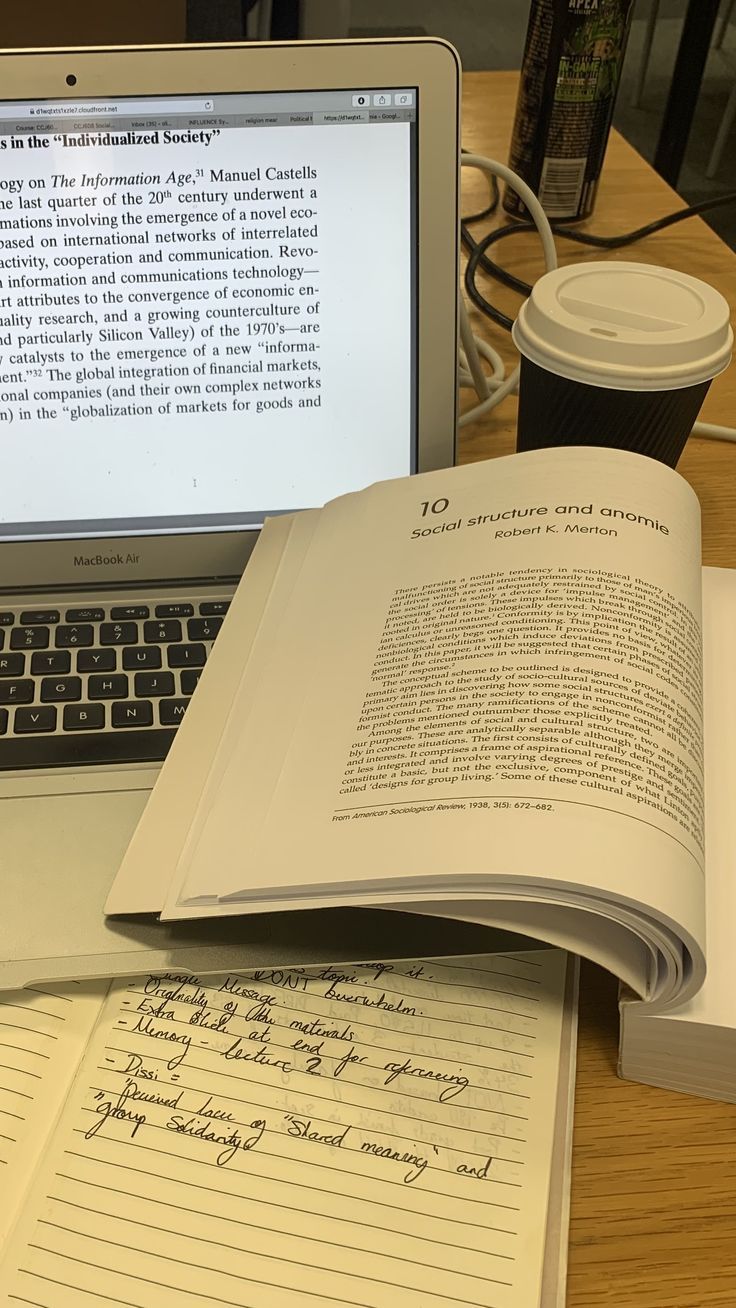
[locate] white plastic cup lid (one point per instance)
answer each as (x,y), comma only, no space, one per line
(625,326)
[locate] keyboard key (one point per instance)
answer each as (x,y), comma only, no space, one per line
(157,633)
(85,615)
(31,735)
(141,656)
(102,687)
(29,638)
(124,611)
(77,634)
(84,717)
(187,656)
(57,660)
(78,747)
(171,711)
(97,660)
(174,610)
(119,633)
(132,713)
(34,617)
(12,665)
(189,679)
(34,719)
(210,608)
(54,689)
(17,692)
(203,628)
(154,683)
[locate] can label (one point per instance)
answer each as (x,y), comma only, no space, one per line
(572,60)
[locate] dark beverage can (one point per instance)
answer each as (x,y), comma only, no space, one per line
(569,78)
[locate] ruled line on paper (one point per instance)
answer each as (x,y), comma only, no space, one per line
(35,1080)
(484,1026)
(498,1112)
(392,1285)
(376,1130)
(305,1010)
(399,1185)
(201,1239)
(265,1203)
(303,1143)
(391,1049)
(414,1140)
(32,1053)
(40,990)
(213,1298)
(22,1071)
(349,1103)
(123,1026)
(490,971)
(42,1012)
(67,1285)
(319,1167)
(336,978)
(32,1030)
(499,1049)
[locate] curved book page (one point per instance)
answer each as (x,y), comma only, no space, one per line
(483,682)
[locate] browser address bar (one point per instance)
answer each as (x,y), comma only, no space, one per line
(99,109)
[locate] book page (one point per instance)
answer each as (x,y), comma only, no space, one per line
(141,883)
(379,1136)
(715,1002)
(43,1033)
(503,658)
(693,1046)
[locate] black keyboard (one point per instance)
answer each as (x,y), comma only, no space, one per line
(99,684)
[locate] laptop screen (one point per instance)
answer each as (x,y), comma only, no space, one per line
(207,307)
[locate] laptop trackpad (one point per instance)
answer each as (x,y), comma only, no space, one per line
(60,850)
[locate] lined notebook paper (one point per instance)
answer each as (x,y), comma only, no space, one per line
(43,1033)
(377,1136)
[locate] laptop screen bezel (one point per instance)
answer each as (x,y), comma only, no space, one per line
(429,65)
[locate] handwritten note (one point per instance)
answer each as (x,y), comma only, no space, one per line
(376,1136)
(43,1033)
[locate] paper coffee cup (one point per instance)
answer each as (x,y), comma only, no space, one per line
(618,354)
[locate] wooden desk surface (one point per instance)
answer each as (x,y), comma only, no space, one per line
(653,1221)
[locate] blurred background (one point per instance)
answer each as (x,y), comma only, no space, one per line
(489,34)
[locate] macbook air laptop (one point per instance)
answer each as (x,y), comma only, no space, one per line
(228,289)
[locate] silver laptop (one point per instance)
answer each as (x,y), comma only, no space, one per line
(228,289)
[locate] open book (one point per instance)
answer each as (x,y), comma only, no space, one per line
(475,693)
(396,1136)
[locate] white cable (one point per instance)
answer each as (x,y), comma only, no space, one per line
(487,352)
(471,355)
(711,431)
(526,194)
(495,388)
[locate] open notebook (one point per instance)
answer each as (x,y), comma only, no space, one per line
(381,1135)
